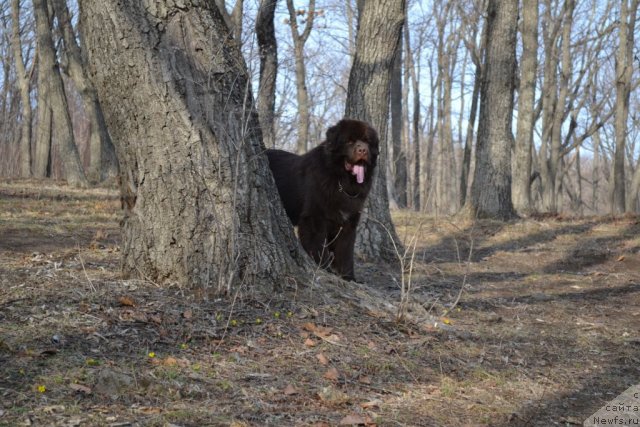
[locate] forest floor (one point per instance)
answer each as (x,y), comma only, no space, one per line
(546,330)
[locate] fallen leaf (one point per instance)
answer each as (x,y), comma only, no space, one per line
(620,258)
(322,359)
(80,388)
(352,420)
(289,390)
(188,314)
(170,361)
(331,374)
(371,404)
(126,301)
(364,379)
(309,327)
(309,342)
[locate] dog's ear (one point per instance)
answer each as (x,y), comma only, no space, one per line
(332,133)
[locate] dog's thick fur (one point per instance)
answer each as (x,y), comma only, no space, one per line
(321,192)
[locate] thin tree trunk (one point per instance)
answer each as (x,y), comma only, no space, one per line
(624,74)
(555,158)
(526,117)
(24,86)
(427,187)
(200,205)
(468,143)
(491,190)
(103,163)
(399,163)
(302,95)
(54,98)
(415,122)
(379,29)
(550,28)
(233,20)
(265,31)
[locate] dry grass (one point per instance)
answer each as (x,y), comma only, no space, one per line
(546,330)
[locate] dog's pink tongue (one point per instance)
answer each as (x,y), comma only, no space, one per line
(358,171)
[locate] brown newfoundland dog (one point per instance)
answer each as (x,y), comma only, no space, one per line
(323,191)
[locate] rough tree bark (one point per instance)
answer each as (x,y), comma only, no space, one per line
(51,96)
(524,136)
(491,189)
(267,44)
(201,207)
(103,163)
(24,87)
(302,95)
(378,37)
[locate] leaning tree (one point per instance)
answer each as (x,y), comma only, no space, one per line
(200,205)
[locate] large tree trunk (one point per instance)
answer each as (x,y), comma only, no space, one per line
(379,27)
(526,117)
(201,208)
(23,85)
(55,99)
(624,73)
(302,95)
(265,31)
(103,163)
(491,190)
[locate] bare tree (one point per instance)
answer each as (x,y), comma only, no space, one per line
(25,90)
(233,19)
(415,121)
(378,37)
(53,115)
(399,160)
(624,73)
(476,51)
(526,116)
(267,44)
(299,40)
(447,50)
(103,163)
(201,208)
(491,189)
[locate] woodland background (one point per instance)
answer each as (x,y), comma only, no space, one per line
(578,67)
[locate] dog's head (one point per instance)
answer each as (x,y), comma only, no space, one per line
(354,146)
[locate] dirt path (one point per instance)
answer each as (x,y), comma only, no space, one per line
(546,331)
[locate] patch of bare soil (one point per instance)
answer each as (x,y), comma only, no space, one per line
(546,329)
